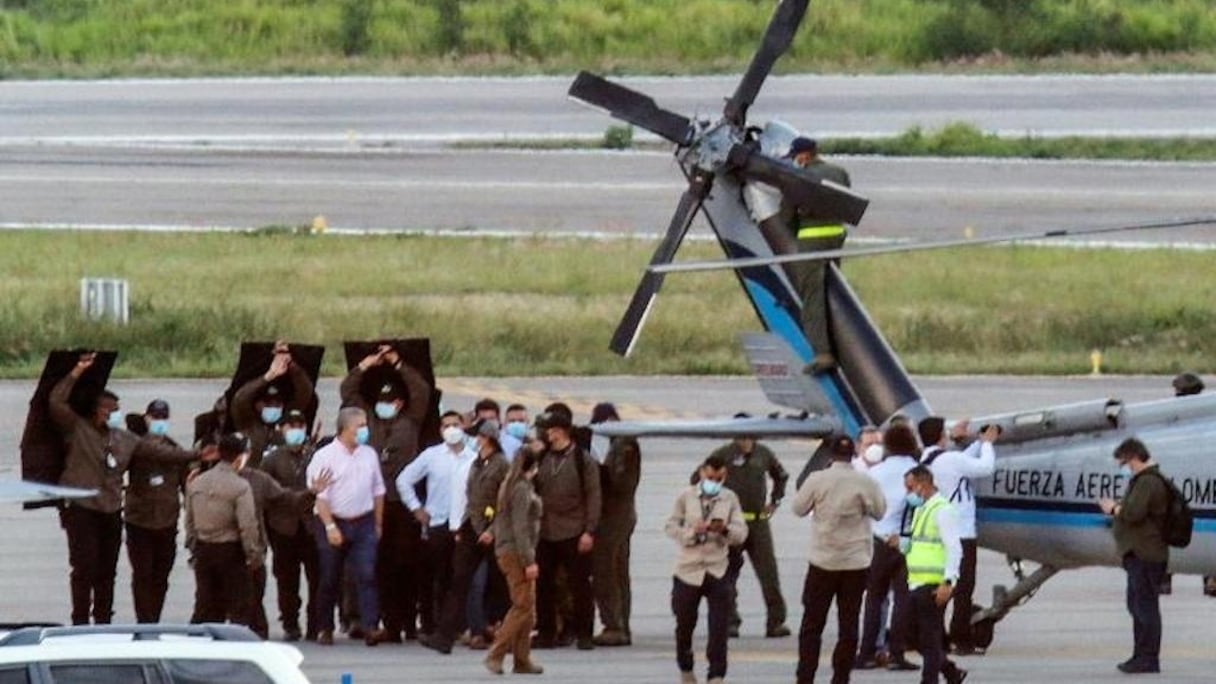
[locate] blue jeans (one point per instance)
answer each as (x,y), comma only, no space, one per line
(1143,582)
(358,552)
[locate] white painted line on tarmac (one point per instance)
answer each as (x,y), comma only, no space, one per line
(343,183)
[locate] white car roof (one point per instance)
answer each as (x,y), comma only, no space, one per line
(280,661)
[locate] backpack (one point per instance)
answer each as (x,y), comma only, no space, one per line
(1179,520)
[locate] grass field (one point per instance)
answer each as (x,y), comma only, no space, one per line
(194,37)
(542,306)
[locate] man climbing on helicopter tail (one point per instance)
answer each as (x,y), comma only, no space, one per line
(815,234)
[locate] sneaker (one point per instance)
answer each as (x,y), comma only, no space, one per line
(1134,666)
(435,644)
(611,637)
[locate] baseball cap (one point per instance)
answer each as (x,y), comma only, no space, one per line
(802,144)
(158,408)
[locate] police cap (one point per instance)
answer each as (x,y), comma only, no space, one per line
(158,408)
(1186,384)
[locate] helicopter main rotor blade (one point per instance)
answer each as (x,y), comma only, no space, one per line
(629,105)
(814,197)
(777,38)
(626,334)
(721,264)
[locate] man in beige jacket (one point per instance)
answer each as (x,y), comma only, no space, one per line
(706,522)
(845,503)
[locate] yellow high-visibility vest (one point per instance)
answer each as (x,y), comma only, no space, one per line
(927,555)
(814,232)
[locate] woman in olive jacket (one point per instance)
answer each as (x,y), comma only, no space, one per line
(516,532)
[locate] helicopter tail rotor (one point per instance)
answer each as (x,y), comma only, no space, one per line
(777,39)
(627,330)
(631,106)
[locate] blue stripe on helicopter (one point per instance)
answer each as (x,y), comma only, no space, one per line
(780,323)
(1205,521)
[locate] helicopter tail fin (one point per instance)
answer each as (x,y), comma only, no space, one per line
(780,373)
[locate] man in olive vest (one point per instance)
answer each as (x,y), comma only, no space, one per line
(815,234)
(934,553)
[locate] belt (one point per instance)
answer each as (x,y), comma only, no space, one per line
(749,516)
(357,518)
(813,232)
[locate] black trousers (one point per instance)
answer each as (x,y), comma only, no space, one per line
(1143,588)
(718,593)
(254,612)
(437,550)
(960,619)
(821,588)
(467,556)
(151,553)
(291,555)
(551,556)
(94,540)
(928,619)
(400,578)
(888,572)
(221,582)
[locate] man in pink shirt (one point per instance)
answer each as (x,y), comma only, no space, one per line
(351,514)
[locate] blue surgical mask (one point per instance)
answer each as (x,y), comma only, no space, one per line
(294,436)
(386,410)
(158,427)
(115,420)
(1126,471)
(711,487)
(362,434)
(517,429)
(915,500)
(271,414)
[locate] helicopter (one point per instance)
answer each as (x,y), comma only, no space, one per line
(1054,463)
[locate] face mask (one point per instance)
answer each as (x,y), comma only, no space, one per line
(271,414)
(362,435)
(386,410)
(294,437)
(159,427)
(711,487)
(873,454)
(915,500)
(1125,470)
(114,420)
(517,429)
(453,435)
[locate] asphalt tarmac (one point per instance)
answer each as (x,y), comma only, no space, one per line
(369,153)
(1075,630)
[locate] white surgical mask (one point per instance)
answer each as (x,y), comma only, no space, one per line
(115,420)
(158,427)
(453,435)
(294,436)
(386,410)
(711,487)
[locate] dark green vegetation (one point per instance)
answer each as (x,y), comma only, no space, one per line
(190,37)
(543,306)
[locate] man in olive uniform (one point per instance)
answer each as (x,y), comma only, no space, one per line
(394,421)
(291,533)
(259,404)
(269,497)
(748,465)
(99,452)
(151,507)
(815,235)
(222,532)
(620,472)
